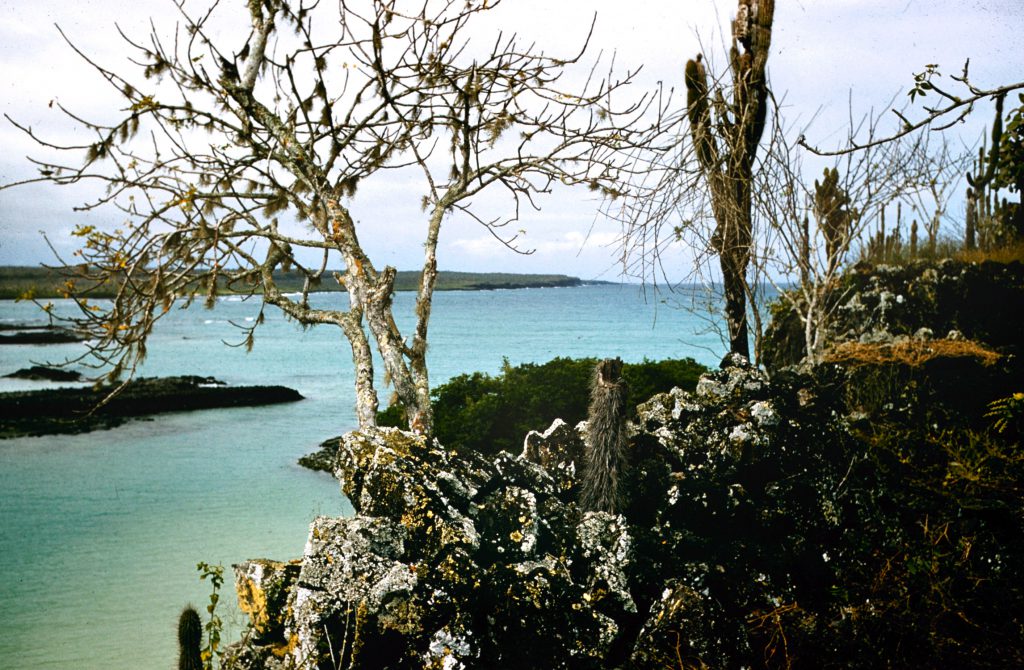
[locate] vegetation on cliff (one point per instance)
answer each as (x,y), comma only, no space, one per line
(488,414)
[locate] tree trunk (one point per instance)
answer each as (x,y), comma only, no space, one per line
(362,363)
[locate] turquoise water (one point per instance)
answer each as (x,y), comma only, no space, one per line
(100,533)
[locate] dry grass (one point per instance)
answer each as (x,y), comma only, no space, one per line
(912,353)
(1005,254)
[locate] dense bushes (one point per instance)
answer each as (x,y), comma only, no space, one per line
(489,414)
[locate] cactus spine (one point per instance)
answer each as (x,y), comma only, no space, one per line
(190,639)
(605,457)
(726,146)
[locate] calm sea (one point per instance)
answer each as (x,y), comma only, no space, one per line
(100,533)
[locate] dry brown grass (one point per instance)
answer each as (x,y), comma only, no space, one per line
(1006,254)
(912,353)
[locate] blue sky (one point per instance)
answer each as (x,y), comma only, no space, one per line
(826,55)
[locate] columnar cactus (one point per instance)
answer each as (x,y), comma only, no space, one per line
(726,146)
(190,639)
(605,456)
(835,218)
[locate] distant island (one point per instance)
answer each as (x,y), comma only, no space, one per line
(41,282)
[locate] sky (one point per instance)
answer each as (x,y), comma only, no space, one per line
(828,57)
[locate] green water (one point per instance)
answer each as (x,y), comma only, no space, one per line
(100,533)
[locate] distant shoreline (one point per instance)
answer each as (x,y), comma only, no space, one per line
(44,283)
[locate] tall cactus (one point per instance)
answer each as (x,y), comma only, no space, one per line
(834,216)
(190,639)
(979,181)
(605,457)
(726,146)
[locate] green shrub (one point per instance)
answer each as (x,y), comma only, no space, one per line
(489,414)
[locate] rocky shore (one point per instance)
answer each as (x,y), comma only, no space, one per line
(79,410)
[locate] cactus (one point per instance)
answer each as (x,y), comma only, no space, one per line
(988,222)
(190,639)
(726,148)
(834,216)
(606,438)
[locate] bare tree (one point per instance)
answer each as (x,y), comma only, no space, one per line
(944,107)
(227,147)
(817,227)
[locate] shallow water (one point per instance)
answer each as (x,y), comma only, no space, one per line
(100,533)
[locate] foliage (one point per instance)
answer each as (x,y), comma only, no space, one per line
(212,652)
(1007,414)
(490,414)
(942,565)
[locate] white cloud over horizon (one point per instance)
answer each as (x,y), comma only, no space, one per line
(822,49)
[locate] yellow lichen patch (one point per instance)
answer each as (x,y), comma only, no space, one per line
(253,602)
(362,614)
(282,650)
(403,617)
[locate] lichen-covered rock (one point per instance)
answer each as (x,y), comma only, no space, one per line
(764,524)
(559,450)
(878,304)
(489,563)
(263,587)
(454,562)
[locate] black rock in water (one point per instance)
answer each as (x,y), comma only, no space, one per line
(45,373)
(39,335)
(78,410)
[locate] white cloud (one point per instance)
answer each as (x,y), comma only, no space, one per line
(821,49)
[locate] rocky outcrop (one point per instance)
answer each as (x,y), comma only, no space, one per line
(766,522)
(923,299)
(489,563)
(454,562)
(77,410)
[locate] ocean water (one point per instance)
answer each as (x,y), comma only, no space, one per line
(100,533)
